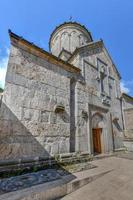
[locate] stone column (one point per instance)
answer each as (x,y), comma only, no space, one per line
(76,120)
(89,131)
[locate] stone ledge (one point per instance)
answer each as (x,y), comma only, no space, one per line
(128,140)
(45,158)
(25,165)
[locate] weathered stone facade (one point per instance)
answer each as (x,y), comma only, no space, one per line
(51,105)
(127,105)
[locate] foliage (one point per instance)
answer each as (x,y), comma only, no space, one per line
(1,90)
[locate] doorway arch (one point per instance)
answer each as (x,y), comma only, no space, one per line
(98,129)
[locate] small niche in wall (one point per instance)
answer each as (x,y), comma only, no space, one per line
(115,119)
(59,108)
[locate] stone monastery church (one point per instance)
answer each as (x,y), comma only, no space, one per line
(63,101)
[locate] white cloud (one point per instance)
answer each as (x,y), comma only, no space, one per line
(124,87)
(3,68)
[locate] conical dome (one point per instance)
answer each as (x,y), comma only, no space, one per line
(68,36)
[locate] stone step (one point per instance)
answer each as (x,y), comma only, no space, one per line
(56,189)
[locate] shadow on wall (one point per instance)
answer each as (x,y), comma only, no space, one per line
(18,144)
(118,135)
(72,115)
(16,141)
(117,125)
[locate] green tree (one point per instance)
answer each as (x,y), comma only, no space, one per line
(1,90)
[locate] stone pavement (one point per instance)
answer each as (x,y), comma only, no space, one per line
(115,185)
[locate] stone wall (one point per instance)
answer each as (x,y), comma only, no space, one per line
(88,104)
(49,107)
(128,119)
(29,124)
(127,103)
(90,60)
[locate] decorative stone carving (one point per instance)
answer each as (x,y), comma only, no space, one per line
(97,78)
(102,73)
(84,114)
(103,69)
(105,99)
(98,121)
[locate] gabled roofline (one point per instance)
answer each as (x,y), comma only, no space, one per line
(77,50)
(64,50)
(127,96)
(112,61)
(91,44)
(34,49)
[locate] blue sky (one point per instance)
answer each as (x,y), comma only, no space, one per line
(111,20)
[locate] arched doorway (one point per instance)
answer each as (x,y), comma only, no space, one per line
(98,126)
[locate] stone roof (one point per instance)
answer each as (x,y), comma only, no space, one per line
(124,95)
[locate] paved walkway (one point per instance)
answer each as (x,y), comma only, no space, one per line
(115,185)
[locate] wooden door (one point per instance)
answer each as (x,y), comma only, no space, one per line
(97,140)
